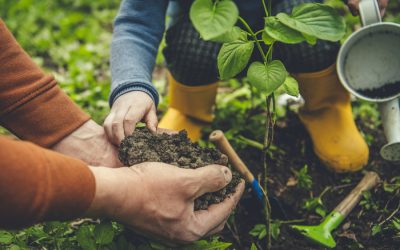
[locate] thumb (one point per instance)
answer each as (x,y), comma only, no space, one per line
(211,178)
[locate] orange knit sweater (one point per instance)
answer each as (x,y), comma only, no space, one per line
(37,184)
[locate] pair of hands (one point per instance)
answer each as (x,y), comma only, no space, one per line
(157,200)
(154,199)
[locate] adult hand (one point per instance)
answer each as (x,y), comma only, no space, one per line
(354,8)
(157,199)
(126,112)
(90,144)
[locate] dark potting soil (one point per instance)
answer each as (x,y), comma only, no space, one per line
(387,90)
(178,150)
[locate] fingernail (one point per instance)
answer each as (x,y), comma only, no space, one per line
(227,174)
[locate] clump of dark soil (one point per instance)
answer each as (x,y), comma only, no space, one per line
(387,90)
(178,150)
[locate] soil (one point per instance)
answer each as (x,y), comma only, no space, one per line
(388,90)
(293,151)
(178,150)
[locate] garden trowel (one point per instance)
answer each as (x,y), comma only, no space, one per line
(218,138)
(321,234)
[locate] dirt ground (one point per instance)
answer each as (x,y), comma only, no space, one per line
(293,151)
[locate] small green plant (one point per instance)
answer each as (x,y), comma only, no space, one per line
(368,202)
(392,186)
(216,20)
(260,230)
(316,205)
(304,180)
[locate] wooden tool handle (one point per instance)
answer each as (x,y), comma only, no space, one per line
(218,138)
(368,181)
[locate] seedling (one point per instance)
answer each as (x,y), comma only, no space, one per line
(304,180)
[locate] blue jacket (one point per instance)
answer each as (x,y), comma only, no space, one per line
(138,30)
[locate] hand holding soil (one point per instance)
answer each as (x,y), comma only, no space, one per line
(157,199)
(176,149)
(129,109)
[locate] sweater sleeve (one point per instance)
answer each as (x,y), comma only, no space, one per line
(32,105)
(39,185)
(138,30)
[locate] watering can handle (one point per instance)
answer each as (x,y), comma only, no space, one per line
(218,138)
(370,180)
(369,12)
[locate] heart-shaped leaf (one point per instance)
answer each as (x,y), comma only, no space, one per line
(313,19)
(281,32)
(213,19)
(234,57)
(267,78)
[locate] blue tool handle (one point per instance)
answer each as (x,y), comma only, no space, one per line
(258,191)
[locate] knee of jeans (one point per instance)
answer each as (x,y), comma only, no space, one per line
(190,69)
(302,58)
(191,60)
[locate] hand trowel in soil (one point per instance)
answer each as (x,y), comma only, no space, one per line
(321,234)
(218,138)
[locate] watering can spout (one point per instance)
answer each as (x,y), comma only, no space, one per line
(390,112)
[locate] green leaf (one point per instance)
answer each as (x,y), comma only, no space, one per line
(291,86)
(5,237)
(266,38)
(85,238)
(267,78)
(104,233)
(275,230)
(281,32)
(376,229)
(316,20)
(213,19)
(229,36)
(396,223)
(262,234)
(234,57)
(253,247)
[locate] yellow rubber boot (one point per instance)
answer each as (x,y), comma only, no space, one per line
(190,108)
(328,118)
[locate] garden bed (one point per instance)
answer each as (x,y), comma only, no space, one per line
(366,227)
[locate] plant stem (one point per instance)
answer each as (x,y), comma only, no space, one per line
(265,8)
(259,32)
(291,221)
(391,215)
(269,52)
(260,49)
(269,134)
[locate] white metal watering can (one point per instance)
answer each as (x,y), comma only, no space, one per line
(368,66)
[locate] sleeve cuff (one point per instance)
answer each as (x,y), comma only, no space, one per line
(125,88)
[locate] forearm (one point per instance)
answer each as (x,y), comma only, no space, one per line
(32,106)
(138,30)
(38,185)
